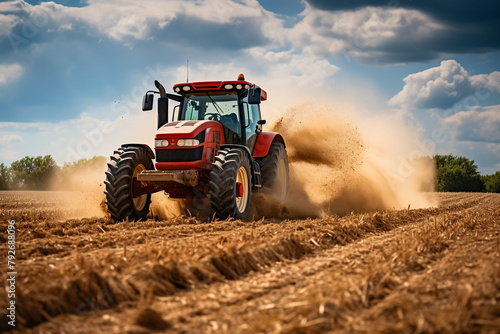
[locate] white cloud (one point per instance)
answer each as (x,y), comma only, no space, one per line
(10,73)
(10,138)
(369,34)
(7,22)
(491,80)
(128,21)
(390,32)
(481,125)
(444,86)
(300,70)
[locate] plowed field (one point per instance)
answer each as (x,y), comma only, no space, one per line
(416,270)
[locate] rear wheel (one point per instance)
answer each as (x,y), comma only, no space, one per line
(275,172)
(230,184)
(124,166)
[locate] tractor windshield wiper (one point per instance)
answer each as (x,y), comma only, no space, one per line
(217,108)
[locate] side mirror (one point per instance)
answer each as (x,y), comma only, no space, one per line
(147,102)
(254,95)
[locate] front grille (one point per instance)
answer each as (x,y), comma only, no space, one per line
(179,155)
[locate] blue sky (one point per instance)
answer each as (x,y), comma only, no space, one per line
(72,72)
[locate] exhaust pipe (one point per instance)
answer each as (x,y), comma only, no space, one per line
(160,88)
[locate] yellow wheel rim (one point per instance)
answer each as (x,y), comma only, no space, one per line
(242,177)
(139,202)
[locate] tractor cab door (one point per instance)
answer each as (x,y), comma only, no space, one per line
(252,125)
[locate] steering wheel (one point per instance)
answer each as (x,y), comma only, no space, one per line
(213,116)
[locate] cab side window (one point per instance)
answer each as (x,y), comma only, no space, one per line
(252,128)
(252,113)
(255,108)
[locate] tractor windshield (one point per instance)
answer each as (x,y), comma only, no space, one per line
(215,106)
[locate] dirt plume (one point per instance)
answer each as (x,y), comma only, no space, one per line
(337,168)
(84,183)
(163,207)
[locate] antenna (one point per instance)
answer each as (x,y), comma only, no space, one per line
(187,70)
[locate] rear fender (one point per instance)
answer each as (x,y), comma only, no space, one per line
(148,149)
(264,141)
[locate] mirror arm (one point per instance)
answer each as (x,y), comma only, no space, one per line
(174,97)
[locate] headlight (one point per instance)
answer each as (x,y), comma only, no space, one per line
(228,86)
(188,142)
(161,142)
(186,88)
(177,89)
(238,86)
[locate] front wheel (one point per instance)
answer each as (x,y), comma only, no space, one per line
(230,184)
(123,167)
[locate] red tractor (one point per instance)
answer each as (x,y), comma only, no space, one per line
(213,149)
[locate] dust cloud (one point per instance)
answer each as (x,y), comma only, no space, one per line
(83,186)
(163,207)
(337,168)
(84,189)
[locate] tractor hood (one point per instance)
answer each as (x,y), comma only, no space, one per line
(185,129)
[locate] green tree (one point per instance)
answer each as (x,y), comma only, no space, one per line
(4,177)
(33,173)
(492,182)
(457,174)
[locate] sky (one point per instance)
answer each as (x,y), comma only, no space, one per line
(72,73)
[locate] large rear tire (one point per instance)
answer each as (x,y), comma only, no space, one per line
(275,172)
(231,184)
(123,167)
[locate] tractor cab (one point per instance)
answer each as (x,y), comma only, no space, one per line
(226,102)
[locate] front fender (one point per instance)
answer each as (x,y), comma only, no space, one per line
(264,141)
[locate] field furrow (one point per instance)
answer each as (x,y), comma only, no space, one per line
(385,271)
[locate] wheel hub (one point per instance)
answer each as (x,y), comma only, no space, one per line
(242,189)
(239,189)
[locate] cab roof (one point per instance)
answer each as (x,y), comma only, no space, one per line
(204,86)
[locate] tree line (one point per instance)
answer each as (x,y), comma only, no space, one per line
(42,172)
(37,173)
(460,174)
